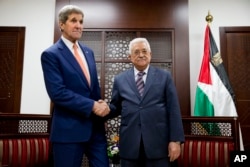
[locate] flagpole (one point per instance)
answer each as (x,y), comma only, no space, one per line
(209,18)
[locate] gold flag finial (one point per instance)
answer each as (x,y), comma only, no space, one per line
(209,18)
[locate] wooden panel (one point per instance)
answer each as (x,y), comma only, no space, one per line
(118,13)
(14,125)
(11,67)
(235,52)
(208,141)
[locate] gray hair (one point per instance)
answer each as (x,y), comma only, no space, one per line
(68,10)
(136,40)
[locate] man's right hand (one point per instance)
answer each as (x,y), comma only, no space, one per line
(101,108)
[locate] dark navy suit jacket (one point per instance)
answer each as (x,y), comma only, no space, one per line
(68,89)
(155,117)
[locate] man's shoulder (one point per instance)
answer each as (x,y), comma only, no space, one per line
(160,70)
(85,47)
(126,72)
(123,74)
(53,49)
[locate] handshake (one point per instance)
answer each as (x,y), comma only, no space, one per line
(101,108)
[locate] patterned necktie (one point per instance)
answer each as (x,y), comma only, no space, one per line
(140,82)
(80,61)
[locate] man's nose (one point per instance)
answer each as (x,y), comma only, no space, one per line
(141,54)
(79,24)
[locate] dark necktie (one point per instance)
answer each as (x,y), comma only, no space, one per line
(140,82)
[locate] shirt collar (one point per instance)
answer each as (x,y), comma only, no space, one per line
(68,43)
(136,71)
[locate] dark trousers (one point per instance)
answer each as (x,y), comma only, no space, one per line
(71,154)
(143,161)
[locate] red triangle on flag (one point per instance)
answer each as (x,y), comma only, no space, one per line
(204,76)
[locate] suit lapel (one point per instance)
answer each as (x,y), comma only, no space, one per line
(67,54)
(131,82)
(87,55)
(149,80)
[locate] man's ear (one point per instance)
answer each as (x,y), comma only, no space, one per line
(129,57)
(61,26)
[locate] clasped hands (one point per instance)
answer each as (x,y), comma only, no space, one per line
(101,108)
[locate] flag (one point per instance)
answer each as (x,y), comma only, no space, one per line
(214,94)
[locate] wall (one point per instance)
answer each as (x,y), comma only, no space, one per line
(38,18)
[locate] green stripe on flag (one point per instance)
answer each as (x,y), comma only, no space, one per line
(203,107)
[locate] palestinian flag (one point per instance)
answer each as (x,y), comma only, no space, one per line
(214,95)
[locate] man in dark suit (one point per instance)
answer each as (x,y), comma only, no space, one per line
(151,128)
(77,121)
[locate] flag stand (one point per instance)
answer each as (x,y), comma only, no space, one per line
(214,94)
